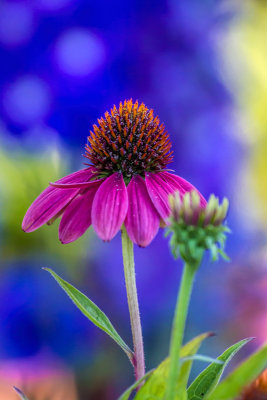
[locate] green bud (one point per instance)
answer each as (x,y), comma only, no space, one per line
(196,228)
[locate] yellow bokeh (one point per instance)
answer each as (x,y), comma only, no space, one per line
(245,68)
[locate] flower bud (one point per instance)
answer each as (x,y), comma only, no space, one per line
(196,228)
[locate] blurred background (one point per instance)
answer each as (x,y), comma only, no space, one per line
(202,66)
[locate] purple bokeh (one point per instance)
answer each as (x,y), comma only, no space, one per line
(17,23)
(79,53)
(27,100)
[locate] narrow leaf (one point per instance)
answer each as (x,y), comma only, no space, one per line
(206,382)
(125,395)
(19,392)
(155,386)
(242,376)
(92,312)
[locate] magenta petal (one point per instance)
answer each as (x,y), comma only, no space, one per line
(70,185)
(142,221)
(77,216)
(78,183)
(78,179)
(52,200)
(83,175)
(159,191)
(46,206)
(110,206)
(182,186)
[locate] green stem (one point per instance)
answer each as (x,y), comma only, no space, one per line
(177,335)
(129,273)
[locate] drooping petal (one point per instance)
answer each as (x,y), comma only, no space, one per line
(79,179)
(142,221)
(159,191)
(77,216)
(182,185)
(83,175)
(46,206)
(55,217)
(110,206)
(52,200)
(81,185)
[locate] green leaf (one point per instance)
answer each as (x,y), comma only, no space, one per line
(125,395)
(206,382)
(19,392)
(155,386)
(242,376)
(92,312)
(190,349)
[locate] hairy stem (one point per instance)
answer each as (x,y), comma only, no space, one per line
(178,327)
(129,273)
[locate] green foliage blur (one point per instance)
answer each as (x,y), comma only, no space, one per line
(23,176)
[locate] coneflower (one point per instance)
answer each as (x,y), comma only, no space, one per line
(125,186)
(126,181)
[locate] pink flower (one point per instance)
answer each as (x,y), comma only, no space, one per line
(126,181)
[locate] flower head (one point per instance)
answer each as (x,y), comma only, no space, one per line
(129,140)
(197,228)
(126,181)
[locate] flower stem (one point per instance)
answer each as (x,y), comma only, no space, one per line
(129,273)
(178,327)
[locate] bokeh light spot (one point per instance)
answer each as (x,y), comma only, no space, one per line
(79,53)
(16,23)
(27,100)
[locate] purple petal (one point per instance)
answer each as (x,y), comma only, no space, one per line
(55,217)
(78,183)
(159,191)
(70,185)
(182,186)
(77,216)
(83,175)
(142,221)
(110,206)
(52,200)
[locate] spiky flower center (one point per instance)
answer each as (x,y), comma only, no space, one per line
(130,140)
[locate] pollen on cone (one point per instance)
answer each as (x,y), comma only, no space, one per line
(129,140)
